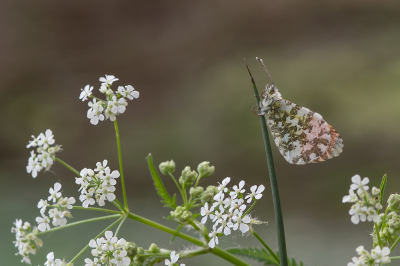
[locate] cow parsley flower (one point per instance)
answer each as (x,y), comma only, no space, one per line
(51,261)
(97,185)
(227,212)
(109,251)
(26,240)
(365,206)
(377,257)
(114,104)
(86,92)
(45,153)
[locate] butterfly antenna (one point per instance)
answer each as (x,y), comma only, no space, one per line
(265,68)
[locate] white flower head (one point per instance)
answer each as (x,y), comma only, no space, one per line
(174,258)
(224,183)
(381,256)
(108,80)
(204,211)
(255,193)
(359,184)
(86,92)
(236,190)
(54,193)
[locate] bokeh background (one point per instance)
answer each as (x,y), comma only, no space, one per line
(339,58)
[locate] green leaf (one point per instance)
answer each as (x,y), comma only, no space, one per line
(261,255)
(176,232)
(158,184)
(382,189)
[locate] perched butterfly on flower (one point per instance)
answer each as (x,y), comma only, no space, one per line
(301,135)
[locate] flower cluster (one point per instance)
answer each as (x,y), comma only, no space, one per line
(114,104)
(26,240)
(108,251)
(365,205)
(227,210)
(53,262)
(98,183)
(45,156)
(174,258)
(59,212)
(377,257)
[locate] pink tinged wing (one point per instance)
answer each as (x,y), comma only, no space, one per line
(301,135)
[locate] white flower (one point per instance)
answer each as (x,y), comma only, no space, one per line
(51,262)
(96,245)
(357,262)
(213,237)
(237,190)
(87,199)
(352,197)
(237,206)
(54,193)
(219,199)
(241,223)
(372,215)
(381,256)
(46,139)
(359,184)
(33,165)
(128,92)
(109,242)
(34,142)
(222,186)
(89,262)
(42,205)
(67,202)
(107,193)
(101,167)
(108,80)
(108,178)
(58,217)
(204,211)
(86,92)
(174,258)
(110,115)
(95,112)
(120,258)
(255,193)
(43,223)
(358,213)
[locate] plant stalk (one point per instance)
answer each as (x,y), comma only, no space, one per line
(274,182)
(121,170)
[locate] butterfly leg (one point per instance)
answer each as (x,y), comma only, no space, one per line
(255,110)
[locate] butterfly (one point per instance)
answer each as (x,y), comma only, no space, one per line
(301,135)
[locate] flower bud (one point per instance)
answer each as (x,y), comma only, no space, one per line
(167,167)
(375,191)
(394,202)
(187,177)
(90,172)
(103,89)
(208,194)
(205,170)
(153,248)
(195,192)
(181,214)
(109,92)
(131,249)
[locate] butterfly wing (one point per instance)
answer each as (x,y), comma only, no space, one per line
(301,135)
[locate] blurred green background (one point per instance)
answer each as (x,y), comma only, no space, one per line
(339,58)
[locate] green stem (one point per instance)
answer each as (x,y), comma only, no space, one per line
(121,170)
(265,245)
(176,183)
(95,209)
(86,247)
(197,181)
(395,258)
(395,243)
(274,182)
(251,207)
(377,234)
(120,225)
(78,223)
(68,166)
(185,255)
(119,205)
(217,251)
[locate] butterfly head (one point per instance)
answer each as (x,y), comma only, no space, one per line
(270,95)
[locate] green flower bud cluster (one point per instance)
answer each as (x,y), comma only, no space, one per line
(390,229)
(181,214)
(208,194)
(205,170)
(196,192)
(167,167)
(394,202)
(188,177)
